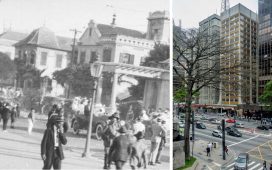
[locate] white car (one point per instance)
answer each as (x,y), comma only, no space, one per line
(217,133)
(239,125)
(215,121)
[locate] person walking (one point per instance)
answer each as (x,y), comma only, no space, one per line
(163,141)
(51,145)
(31,120)
(226,150)
(264,165)
(12,117)
(119,150)
(5,116)
(110,132)
(155,141)
(208,150)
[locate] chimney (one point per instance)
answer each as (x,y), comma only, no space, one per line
(180,23)
(113,20)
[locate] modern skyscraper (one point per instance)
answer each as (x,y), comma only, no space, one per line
(265,44)
(239,38)
(211,26)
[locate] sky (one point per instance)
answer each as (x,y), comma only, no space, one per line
(62,15)
(191,12)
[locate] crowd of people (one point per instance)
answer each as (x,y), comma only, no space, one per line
(8,111)
(125,142)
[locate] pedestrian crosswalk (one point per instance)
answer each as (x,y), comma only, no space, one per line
(252,165)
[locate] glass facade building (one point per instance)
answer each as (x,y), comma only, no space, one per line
(265,43)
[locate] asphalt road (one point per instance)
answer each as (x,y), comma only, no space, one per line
(257,144)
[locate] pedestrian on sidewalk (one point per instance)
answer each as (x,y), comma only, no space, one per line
(155,141)
(12,117)
(226,150)
(31,120)
(6,115)
(210,146)
(208,150)
(51,146)
(163,141)
(271,165)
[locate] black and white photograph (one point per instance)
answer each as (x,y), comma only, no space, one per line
(85,84)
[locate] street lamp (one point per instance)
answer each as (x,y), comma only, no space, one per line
(96,70)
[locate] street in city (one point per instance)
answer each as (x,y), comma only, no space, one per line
(19,150)
(257,143)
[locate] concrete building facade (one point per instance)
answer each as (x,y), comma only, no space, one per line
(211,27)
(239,28)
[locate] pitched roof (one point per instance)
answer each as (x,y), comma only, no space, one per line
(12,35)
(44,37)
(112,30)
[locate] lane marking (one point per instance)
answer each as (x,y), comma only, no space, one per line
(252,168)
(251,163)
(230,165)
(217,164)
(244,140)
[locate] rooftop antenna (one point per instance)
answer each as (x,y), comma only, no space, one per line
(224,5)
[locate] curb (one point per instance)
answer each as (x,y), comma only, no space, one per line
(195,165)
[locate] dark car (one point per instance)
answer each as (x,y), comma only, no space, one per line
(200,126)
(227,129)
(81,122)
(234,132)
(263,127)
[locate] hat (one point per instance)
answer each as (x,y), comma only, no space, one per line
(163,122)
(158,120)
(139,135)
(116,115)
(123,129)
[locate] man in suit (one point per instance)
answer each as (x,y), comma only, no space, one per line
(5,115)
(120,148)
(51,146)
(155,141)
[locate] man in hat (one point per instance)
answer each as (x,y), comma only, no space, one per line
(119,150)
(5,116)
(163,140)
(110,132)
(138,126)
(51,146)
(155,141)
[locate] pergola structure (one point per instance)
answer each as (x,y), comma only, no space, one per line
(156,91)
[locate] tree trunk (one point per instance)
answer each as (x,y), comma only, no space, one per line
(187,124)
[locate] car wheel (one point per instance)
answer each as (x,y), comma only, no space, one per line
(76,128)
(98,131)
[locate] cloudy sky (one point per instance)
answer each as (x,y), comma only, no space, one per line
(62,15)
(191,12)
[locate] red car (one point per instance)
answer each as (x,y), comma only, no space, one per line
(230,121)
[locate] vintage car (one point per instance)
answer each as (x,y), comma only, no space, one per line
(81,122)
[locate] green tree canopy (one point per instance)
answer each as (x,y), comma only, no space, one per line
(266,97)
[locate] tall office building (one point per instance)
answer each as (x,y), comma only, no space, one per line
(210,26)
(265,44)
(239,37)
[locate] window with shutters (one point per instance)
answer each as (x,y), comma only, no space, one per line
(43,59)
(126,58)
(59,61)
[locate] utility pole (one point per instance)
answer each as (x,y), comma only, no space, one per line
(223,139)
(72,57)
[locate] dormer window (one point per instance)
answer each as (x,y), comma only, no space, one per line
(90,32)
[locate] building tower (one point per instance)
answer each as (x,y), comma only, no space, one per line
(265,43)
(158,27)
(239,37)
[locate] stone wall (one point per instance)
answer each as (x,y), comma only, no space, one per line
(178,154)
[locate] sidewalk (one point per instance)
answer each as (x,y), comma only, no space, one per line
(215,161)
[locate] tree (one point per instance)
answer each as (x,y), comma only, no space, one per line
(7,67)
(266,97)
(78,77)
(196,64)
(158,54)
